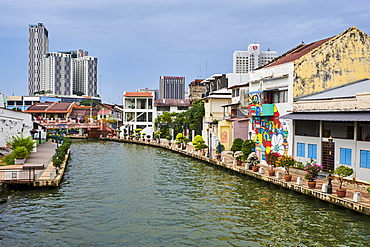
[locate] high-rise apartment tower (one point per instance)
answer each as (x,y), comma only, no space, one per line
(245,61)
(172,87)
(38,47)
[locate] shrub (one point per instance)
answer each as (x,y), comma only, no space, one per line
(20,152)
(237,145)
(248,147)
(9,159)
(20,141)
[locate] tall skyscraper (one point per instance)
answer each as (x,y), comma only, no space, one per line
(245,61)
(38,47)
(172,87)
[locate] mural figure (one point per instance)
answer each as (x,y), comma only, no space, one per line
(271,135)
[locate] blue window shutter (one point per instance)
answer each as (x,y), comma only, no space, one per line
(301,149)
(363,158)
(348,156)
(342,159)
(367,164)
(312,151)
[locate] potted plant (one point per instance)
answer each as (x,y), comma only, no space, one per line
(312,171)
(253,161)
(198,143)
(272,159)
(238,156)
(342,171)
(20,155)
(286,162)
(180,139)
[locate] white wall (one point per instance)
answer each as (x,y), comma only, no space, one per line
(13,123)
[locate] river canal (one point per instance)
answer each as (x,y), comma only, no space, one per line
(118,194)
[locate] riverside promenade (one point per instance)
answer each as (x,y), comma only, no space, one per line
(45,174)
(356,199)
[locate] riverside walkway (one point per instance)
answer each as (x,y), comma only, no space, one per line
(356,199)
(40,162)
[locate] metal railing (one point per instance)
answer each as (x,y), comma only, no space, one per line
(17,176)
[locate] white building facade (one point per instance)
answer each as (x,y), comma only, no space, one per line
(138,110)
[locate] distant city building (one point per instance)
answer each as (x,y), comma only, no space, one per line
(56,74)
(85,74)
(38,47)
(196,89)
(245,61)
(172,87)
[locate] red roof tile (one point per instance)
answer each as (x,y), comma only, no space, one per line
(138,94)
(296,53)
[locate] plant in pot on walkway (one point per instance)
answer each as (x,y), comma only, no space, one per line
(238,157)
(342,171)
(312,172)
(253,161)
(20,155)
(286,162)
(272,159)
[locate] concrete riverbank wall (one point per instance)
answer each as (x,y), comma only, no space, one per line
(358,204)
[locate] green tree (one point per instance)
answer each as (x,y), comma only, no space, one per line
(237,145)
(195,116)
(248,147)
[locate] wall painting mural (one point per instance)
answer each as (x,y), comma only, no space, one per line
(270,134)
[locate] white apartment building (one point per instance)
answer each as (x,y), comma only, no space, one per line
(138,110)
(69,73)
(246,61)
(85,75)
(56,74)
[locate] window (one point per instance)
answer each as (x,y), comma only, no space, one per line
(300,149)
(345,156)
(163,108)
(312,151)
(336,129)
(365,158)
(307,128)
(182,108)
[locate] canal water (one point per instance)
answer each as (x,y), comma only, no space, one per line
(118,194)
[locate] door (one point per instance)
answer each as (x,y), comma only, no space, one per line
(328,156)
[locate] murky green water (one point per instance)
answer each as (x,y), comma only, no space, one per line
(117,194)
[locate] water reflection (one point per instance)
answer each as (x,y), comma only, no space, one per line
(129,195)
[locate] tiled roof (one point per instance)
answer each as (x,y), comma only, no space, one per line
(82,112)
(50,107)
(296,53)
(172,102)
(138,94)
(39,106)
(60,107)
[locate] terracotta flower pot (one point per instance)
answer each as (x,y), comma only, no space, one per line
(255,168)
(341,192)
(271,173)
(311,184)
(239,162)
(288,178)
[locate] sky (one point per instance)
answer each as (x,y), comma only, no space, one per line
(137,41)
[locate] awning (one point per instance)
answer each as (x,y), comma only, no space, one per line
(231,104)
(329,116)
(261,91)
